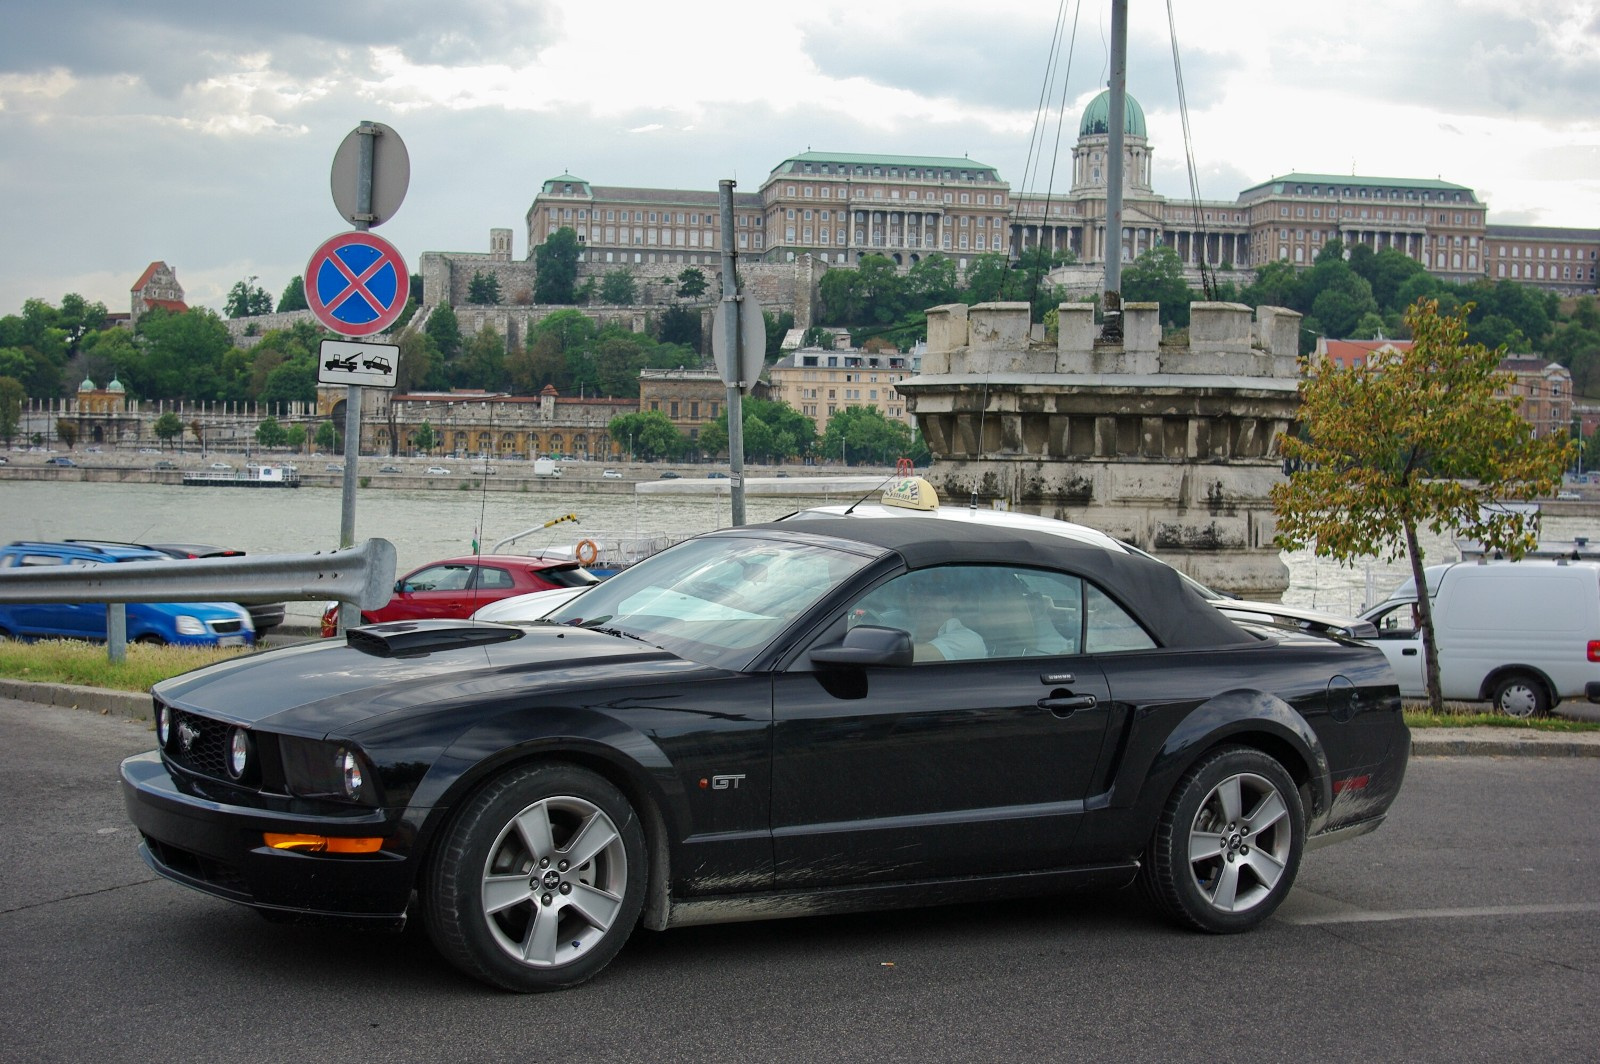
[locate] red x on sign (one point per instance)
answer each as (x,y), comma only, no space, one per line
(356,284)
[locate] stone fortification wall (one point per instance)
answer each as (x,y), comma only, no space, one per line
(1172,447)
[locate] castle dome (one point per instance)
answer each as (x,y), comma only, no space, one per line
(1097,116)
(86,386)
(115,386)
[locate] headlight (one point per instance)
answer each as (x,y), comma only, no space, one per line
(350,770)
(191,625)
(238,752)
(163,725)
(313,768)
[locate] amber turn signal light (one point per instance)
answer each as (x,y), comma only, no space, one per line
(322,843)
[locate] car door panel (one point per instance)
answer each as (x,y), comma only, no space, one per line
(937,769)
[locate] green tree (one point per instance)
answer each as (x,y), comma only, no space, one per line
(294,296)
(167,427)
(817,337)
(246,299)
(444,329)
(619,287)
(861,435)
(295,437)
(691,283)
(1157,277)
(327,438)
(773,431)
(1417,440)
(11,396)
(482,363)
(778,326)
(680,325)
(271,434)
(649,434)
(556,262)
(426,438)
(484,289)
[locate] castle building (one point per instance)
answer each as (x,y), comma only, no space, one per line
(157,286)
(820,383)
(837,207)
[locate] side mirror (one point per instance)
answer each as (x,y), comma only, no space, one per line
(867,644)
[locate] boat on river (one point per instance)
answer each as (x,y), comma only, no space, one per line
(265,476)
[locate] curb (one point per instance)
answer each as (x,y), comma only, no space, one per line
(132,704)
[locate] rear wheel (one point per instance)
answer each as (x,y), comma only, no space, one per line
(151,639)
(1228,843)
(539,881)
(1521,695)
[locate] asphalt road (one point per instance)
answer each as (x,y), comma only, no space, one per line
(1466,929)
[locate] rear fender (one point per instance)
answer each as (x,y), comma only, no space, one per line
(1243,717)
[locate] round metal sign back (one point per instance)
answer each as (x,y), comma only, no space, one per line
(391,174)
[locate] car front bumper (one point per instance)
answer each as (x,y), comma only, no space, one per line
(220,849)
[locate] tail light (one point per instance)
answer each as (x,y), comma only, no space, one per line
(1594,650)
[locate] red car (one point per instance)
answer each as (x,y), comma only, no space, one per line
(455,587)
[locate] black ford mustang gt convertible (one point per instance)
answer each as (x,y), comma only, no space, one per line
(774,720)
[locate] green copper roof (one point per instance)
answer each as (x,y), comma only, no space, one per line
(1355,181)
(1097,116)
(556,183)
(933,162)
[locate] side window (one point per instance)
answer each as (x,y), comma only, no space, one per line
(440,578)
(965,612)
(1108,627)
(494,579)
(38,559)
(1398,622)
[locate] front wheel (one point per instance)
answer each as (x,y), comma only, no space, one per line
(1228,843)
(538,881)
(1520,695)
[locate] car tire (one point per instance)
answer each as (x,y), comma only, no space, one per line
(1228,844)
(539,879)
(1521,695)
(151,639)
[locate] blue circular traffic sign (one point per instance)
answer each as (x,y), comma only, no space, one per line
(356,284)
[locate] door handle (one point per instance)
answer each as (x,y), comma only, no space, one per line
(1069,704)
(1411,653)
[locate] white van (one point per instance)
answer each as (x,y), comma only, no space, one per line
(1523,635)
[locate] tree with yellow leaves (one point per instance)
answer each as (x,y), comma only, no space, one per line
(1428,437)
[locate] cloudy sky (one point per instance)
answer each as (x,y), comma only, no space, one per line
(201,133)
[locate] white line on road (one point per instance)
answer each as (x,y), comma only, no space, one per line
(1365,917)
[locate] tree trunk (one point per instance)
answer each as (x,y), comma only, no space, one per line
(1430,648)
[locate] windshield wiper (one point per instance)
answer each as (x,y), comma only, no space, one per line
(618,632)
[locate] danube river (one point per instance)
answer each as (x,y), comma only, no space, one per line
(427,525)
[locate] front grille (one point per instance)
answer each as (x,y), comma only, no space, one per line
(199,744)
(227,627)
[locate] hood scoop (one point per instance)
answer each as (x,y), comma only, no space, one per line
(404,639)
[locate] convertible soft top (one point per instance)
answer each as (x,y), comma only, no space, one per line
(1168,607)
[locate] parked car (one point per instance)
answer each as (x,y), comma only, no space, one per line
(914,497)
(164,464)
(611,474)
(181,623)
(221,467)
(437,471)
(334,467)
(60,460)
(389,469)
(668,475)
(455,587)
(534,606)
(1522,635)
(265,616)
(780,719)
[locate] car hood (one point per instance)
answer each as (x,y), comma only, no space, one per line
(316,688)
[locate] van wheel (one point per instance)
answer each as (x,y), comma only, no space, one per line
(1520,695)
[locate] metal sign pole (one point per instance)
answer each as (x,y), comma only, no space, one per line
(349,612)
(730,316)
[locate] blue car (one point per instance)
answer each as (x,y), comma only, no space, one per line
(180,623)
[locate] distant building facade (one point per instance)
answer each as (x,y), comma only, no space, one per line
(157,286)
(820,384)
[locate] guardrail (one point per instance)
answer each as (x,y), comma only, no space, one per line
(363,575)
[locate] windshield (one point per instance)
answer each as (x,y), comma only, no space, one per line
(717,600)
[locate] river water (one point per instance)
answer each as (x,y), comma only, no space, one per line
(427,525)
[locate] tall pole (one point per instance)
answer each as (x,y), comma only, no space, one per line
(1115,121)
(349,612)
(730,320)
